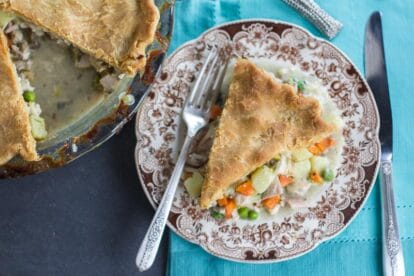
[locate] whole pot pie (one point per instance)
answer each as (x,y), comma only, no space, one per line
(107,36)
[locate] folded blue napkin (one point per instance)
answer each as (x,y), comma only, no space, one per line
(357,251)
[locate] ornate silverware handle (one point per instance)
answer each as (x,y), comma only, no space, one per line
(317,16)
(149,246)
(393,260)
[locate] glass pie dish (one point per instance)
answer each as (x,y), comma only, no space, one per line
(87,127)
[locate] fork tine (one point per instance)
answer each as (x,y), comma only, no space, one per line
(200,78)
(219,78)
(207,84)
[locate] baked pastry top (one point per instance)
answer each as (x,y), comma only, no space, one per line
(115,31)
(15,131)
(261,118)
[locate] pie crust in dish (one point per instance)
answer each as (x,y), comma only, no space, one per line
(15,130)
(261,118)
(116,32)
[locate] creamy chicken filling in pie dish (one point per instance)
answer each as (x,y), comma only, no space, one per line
(274,142)
(23,39)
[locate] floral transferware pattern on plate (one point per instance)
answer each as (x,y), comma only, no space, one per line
(288,234)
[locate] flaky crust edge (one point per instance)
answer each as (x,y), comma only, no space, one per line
(136,59)
(26,149)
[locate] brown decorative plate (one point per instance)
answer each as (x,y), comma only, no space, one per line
(291,233)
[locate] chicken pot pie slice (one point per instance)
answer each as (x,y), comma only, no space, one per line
(15,130)
(116,32)
(261,118)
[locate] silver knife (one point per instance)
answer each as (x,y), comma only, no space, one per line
(376,75)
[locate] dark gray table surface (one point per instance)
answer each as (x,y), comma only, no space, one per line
(86,218)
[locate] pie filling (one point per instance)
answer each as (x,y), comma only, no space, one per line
(25,41)
(291,179)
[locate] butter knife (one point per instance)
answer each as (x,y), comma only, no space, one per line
(376,75)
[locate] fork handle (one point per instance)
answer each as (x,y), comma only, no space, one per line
(392,254)
(317,16)
(149,246)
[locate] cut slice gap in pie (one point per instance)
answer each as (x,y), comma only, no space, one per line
(261,118)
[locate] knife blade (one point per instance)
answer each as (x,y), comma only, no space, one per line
(376,75)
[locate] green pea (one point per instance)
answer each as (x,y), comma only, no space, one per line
(96,83)
(328,174)
(217,215)
(301,86)
(29,96)
(253,215)
(243,212)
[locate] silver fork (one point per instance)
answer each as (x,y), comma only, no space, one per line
(196,116)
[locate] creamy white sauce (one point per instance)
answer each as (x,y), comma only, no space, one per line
(64,92)
(66,89)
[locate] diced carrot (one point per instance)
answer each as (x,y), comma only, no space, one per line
(316,177)
(285,180)
(229,208)
(325,143)
(314,149)
(271,202)
(215,111)
(322,146)
(245,188)
(222,202)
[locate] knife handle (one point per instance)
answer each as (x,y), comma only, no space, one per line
(392,254)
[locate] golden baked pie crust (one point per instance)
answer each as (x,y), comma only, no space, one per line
(15,131)
(114,31)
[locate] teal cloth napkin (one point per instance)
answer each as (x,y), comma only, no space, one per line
(357,250)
